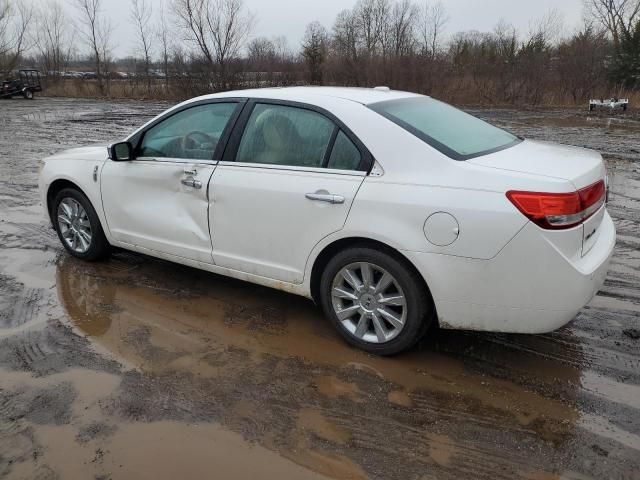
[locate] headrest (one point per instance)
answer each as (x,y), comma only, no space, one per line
(277,129)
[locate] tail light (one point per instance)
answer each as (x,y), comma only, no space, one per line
(560,210)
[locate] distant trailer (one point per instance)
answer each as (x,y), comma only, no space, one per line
(611,103)
(26,85)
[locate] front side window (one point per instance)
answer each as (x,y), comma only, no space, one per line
(453,132)
(193,133)
(283,135)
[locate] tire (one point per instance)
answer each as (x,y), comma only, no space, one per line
(28,94)
(97,247)
(417,313)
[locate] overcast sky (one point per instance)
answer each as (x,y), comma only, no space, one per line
(290,17)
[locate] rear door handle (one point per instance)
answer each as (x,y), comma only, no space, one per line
(190,182)
(325,197)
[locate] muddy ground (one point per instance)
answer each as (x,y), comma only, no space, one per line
(136,368)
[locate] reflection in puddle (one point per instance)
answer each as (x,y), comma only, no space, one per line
(287,379)
(220,313)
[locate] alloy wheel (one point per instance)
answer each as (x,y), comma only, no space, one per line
(74,225)
(369,302)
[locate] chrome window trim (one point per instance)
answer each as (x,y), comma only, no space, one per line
(197,161)
(293,168)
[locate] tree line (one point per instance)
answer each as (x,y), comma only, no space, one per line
(403,44)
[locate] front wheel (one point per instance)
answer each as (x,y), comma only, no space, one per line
(376,300)
(28,94)
(78,226)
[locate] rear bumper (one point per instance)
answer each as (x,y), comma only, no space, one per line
(529,287)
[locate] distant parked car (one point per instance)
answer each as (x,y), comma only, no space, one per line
(391,210)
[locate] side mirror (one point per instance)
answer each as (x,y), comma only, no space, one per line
(120,152)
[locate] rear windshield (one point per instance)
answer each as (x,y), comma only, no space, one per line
(451,131)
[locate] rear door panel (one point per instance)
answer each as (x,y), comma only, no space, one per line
(263,224)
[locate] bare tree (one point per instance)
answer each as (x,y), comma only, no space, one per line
(382,12)
(6,19)
(314,50)
(165,43)
(219,29)
(283,50)
(346,44)
(15,24)
(141,19)
(262,61)
(505,38)
(261,52)
(432,20)
(54,38)
(581,64)
(96,32)
(402,26)
(393,42)
(365,15)
(548,27)
(619,17)
(535,56)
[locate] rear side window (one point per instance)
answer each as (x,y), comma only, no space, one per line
(345,155)
(283,135)
(451,131)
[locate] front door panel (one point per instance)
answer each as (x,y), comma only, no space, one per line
(262,222)
(158,205)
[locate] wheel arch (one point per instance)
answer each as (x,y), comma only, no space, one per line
(332,248)
(56,187)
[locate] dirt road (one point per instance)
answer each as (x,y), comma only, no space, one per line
(136,368)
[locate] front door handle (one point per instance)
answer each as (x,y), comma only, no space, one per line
(325,197)
(190,182)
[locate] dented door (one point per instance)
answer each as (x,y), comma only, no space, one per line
(159,205)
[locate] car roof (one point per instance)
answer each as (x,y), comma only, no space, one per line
(363,96)
(324,97)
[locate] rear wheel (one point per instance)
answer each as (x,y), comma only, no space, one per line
(376,301)
(78,226)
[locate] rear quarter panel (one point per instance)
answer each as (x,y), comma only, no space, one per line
(396,213)
(419,181)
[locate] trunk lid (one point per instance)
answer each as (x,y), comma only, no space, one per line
(580,166)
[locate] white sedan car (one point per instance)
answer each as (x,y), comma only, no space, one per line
(391,210)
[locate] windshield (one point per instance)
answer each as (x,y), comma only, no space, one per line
(451,131)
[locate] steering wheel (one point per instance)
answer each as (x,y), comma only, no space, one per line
(190,142)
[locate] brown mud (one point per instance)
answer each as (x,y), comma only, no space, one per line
(137,368)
